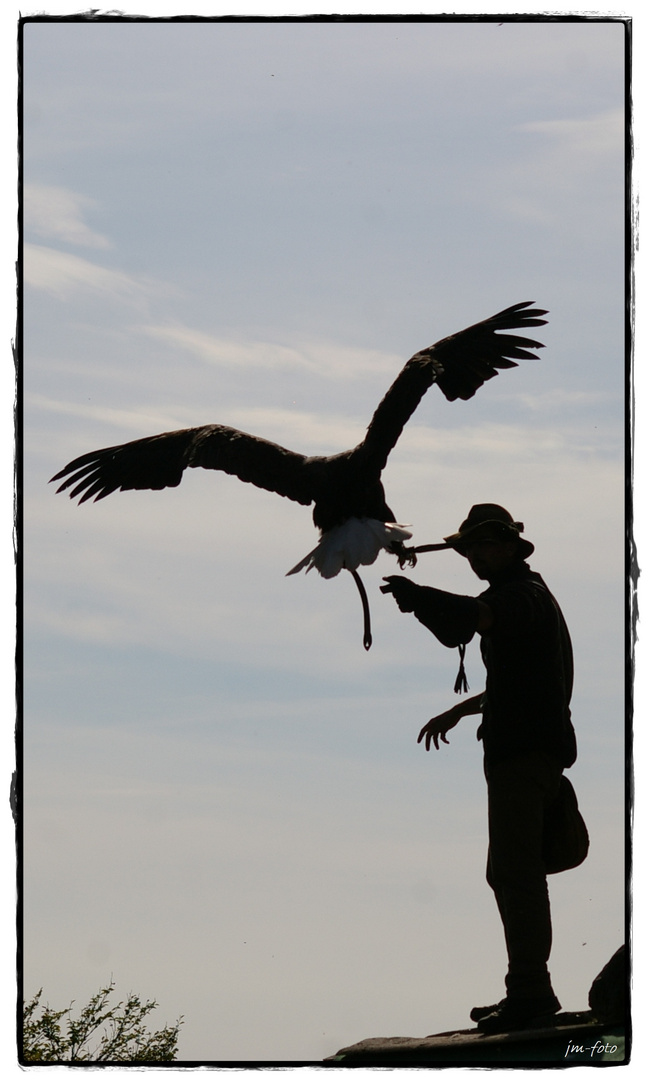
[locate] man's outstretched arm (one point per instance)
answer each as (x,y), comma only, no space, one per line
(452,619)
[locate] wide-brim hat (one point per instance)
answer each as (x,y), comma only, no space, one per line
(496,517)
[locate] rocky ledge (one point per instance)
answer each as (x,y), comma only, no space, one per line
(595,1037)
(574,1039)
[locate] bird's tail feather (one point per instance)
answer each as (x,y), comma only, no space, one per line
(355,543)
(307,561)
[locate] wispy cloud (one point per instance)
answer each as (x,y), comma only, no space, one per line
(559,171)
(490,443)
(57,213)
(583,137)
(561,398)
(129,419)
(570,159)
(329,360)
(227,353)
(64,275)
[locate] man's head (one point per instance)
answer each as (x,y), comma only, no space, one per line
(490,540)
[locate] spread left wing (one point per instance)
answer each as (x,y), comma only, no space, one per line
(160,460)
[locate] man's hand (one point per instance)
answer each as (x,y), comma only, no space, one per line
(438,726)
(402,589)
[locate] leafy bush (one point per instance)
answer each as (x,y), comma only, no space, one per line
(100,1033)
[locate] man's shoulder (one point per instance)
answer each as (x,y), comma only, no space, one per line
(525,588)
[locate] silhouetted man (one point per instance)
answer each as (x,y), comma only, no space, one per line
(526,731)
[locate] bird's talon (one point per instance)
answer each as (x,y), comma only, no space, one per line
(407,557)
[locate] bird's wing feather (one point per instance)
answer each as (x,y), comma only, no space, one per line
(160,460)
(459,364)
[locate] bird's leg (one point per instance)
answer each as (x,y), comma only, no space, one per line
(406,556)
(366,640)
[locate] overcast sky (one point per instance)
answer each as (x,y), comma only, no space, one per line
(257,224)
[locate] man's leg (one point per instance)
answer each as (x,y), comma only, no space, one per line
(518,791)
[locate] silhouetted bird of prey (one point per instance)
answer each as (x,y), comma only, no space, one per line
(350,510)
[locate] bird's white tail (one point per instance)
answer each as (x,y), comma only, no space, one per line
(354,543)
